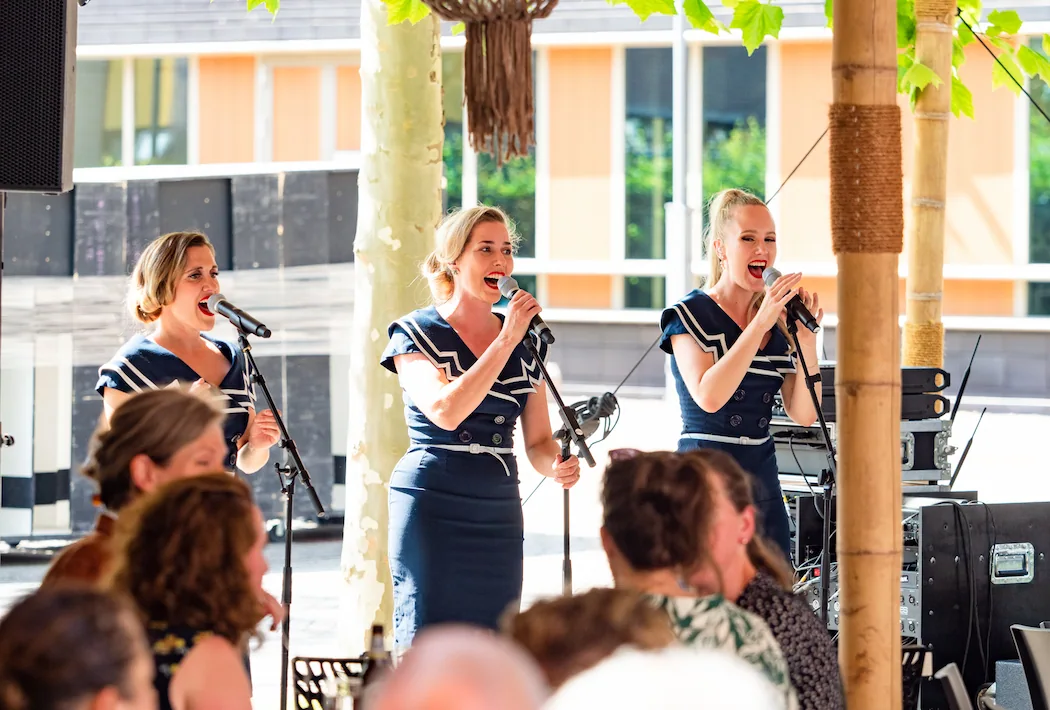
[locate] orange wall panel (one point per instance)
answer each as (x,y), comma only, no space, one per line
(580,109)
(572,291)
(979,219)
(961,297)
(348,108)
(296,113)
(227,109)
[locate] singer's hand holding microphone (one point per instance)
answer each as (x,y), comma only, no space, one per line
(785,297)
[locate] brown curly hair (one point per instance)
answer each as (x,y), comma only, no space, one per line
(60,646)
(656,507)
(156,423)
(568,635)
(157,272)
(180,555)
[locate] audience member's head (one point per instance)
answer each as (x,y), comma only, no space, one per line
(191,554)
(735,543)
(568,635)
(74,648)
(460,668)
(656,519)
(154,437)
(668,679)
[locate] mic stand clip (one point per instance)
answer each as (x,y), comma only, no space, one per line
(286,475)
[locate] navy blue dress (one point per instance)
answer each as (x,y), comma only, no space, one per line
(456,528)
(142,365)
(741,426)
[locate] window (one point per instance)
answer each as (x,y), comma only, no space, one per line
(734,128)
(160,111)
(452,155)
(647,166)
(99,100)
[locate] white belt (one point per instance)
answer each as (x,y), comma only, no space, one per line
(476,449)
(744,440)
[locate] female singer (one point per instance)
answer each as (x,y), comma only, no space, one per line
(456,527)
(170,286)
(730,353)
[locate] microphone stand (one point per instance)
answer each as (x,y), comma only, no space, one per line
(573,435)
(286,475)
(828,476)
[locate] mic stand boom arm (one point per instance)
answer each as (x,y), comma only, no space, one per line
(828,476)
(286,475)
(573,435)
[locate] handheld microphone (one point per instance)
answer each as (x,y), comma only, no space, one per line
(508,287)
(795,308)
(218,305)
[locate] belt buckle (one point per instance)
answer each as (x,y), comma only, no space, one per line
(745,440)
(475,448)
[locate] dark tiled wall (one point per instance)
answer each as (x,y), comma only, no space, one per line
(254,221)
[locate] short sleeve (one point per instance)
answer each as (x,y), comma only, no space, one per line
(121,375)
(542,348)
(671,324)
(249,375)
(401,343)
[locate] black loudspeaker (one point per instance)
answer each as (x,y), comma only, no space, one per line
(38,46)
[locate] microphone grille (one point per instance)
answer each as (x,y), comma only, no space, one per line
(507,286)
(214,300)
(770,275)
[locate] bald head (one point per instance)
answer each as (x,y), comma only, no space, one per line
(460,668)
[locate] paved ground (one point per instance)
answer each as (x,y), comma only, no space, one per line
(1006,464)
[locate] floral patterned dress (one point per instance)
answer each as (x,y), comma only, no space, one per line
(715,623)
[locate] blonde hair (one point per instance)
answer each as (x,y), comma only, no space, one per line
(569,635)
(158,271)
(719,213)
(156,423)
(452,237)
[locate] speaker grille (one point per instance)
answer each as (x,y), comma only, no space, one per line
(37,55)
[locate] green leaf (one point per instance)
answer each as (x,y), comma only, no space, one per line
(398,11)
(756,21)
(459,28)
(1033,63)
(272,6)
(962,99)
(827,11)
(1002,22)
(970,7)
(919,76)
(904,62)
(700,16)
(965,35)
(905,23)
(645,8)
(1000,43)
(958,54)
(1001,76)
(1046,44)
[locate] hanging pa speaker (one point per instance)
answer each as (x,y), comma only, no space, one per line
(38,46)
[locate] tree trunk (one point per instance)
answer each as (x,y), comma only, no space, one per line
(923,329)
(399,206)
(867,218)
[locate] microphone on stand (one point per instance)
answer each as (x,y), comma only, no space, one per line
(508,287)
(218,305)
(795,307)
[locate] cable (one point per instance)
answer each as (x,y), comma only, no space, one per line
(795,169)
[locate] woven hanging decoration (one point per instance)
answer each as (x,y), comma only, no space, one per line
(497,76)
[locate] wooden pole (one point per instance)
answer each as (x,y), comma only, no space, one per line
(867,218)
(923,329)
(399,207)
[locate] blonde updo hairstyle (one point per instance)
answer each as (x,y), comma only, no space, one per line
(452,238)
(720,212)
(158,271)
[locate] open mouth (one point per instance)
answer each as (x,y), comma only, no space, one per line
(492,280)
(755,268)
(203,306)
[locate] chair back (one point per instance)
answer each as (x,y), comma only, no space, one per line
(1033,648)
(954,688)
(309,673)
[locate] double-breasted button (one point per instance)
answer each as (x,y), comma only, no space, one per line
(497,439)
(767,397)
(735,420)
(500,419)
(465,436)
(738,395)
(763,423)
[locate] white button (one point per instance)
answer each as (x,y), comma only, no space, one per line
(500,419)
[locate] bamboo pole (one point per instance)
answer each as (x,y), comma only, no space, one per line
(399,207)
(923,329)
(867,234)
